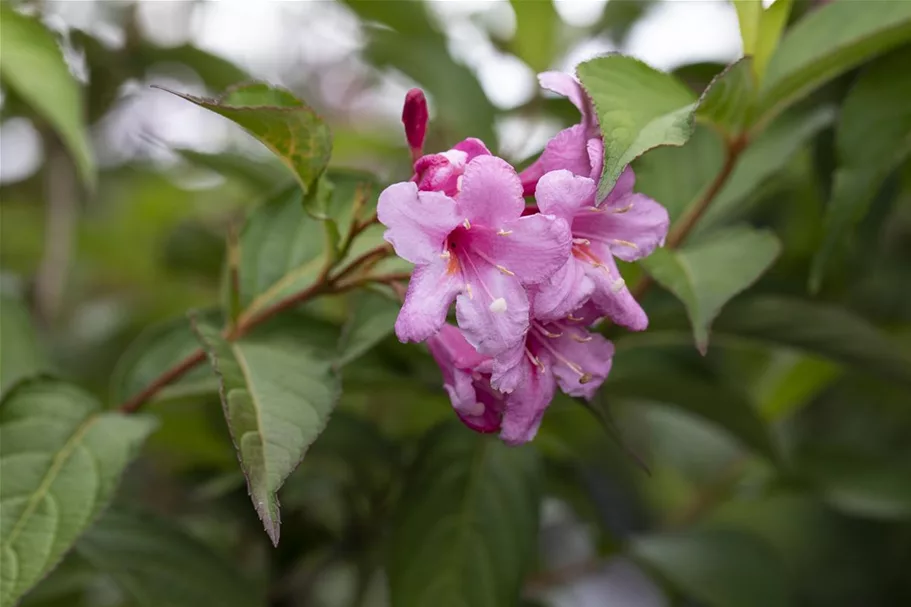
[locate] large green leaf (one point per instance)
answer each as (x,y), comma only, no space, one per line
(467,524)
(32,65)
(61,458)
(20,353)
(829,41)
(873,135)
(638,108)
(370,320)
(283,123)
(719,568)
(278,386)
(727,101)
(157,564)
(535,40)
(706,275)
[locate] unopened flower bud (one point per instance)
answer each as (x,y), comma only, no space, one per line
(414,117)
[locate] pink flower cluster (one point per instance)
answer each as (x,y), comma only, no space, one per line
(527,280)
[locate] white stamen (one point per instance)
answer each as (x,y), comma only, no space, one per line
(582,339)
(626,243)
(469,291)
(498,305)
(505,271)
(503,232)
(475,409)
(582,241)
(622,209)
(445,254)
(467,224)
(618,285)
(595,210)
(459,183)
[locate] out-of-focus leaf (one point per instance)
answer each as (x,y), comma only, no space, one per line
(196,250)
(32,65)
(727,100)
(536,33)
(859,486)
(155,563)
(771,24)
(416,48)
(466,527)
(827,42)
(61,459)
(873,135)
(791,381)
(283,123)
(20,353)
(261,174)
(217,73)
(352,198)
(749,14)
(157,349)
(719,404)
(278,386)
(638,108)
(619,17)
(719,568)
(706,275)
(371,319)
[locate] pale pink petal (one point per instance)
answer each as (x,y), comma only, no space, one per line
(595,149)
(612,296)
(564,194)
(568,150)
(562,293)
(622,189)
(631,227)
(582,351)
(417,222)
(486,413)
(473,148)
(569,87)
(493,311)
(530,176)
(526,405)
(508,370)
(532,247)
(491,192)
(430,292)
(449,348)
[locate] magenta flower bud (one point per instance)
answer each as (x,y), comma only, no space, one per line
(414,117)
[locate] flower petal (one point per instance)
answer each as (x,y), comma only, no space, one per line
(508,369)
(564,194)
(589,352)
(569,87)
(473,148)
(493,310)
(632,226)
(562,293)
(568,150)
(491,192)
(418,222)
(531,247)
(622,189)
(612,296)
(530,176)
(430,292)
(485,414)
(526,405)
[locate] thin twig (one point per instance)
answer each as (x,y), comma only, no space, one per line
(169,376)
(359,262)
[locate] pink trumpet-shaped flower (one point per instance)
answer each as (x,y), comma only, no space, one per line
(475,248)
(441,172)
(627,226)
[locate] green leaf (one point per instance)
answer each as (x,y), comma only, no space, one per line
(61,459)
(284,124)
(466,526)
(727,101)
(862,486)
(156,563)
(536,33)
(718,568)
(370,320)
(216,72)
(829,41)
(749,14)
(32,65)
(638,108)
(872,137)
(20,354)
(156,350)
(258,173)
(706,275)
(278,386)
(771,24)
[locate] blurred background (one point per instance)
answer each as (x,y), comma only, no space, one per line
(665,503)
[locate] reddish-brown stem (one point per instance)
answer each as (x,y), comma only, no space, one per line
(361,261)
(171,375)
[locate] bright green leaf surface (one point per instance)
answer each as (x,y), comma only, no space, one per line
(719,568)
(727,101)
(827,42)
(157,564)
(278,388)
(283,123)
(638,108)
(749,14)
(705,276)
(467,525)
(20,354)
(771,24)
(60,461)
(873,135)
(32,65)
(537,24)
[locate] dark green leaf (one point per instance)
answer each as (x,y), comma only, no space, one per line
(638,108)
(61,458)
(706,275)
(873,135)
(283,123)
(157,564)
(467,524)
(278,387)
(20,353)
(370,320)
(33,66)
(829,41)
(718,568)
(727,101)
